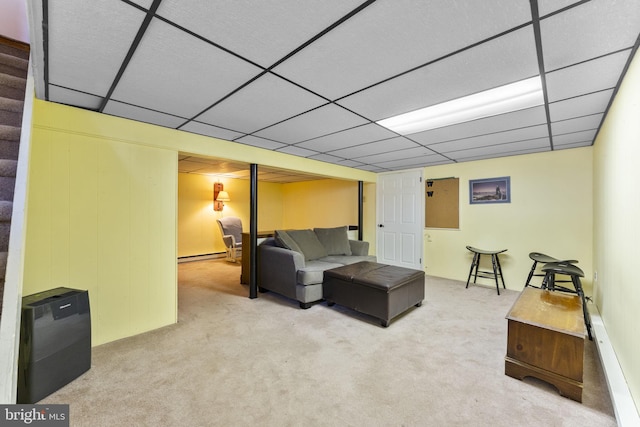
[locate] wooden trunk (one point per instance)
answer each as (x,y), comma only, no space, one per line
(545,340)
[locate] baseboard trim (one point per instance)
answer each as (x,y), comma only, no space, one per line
(623,404)
(201,257)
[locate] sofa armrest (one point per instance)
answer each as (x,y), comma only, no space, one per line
(277,269)
(358,247)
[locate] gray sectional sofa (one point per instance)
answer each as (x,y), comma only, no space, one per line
(292,263)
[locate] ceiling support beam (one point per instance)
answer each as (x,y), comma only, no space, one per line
(132,50)
(253,233)
(535,15)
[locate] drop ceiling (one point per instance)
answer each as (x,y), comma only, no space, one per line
(311,78)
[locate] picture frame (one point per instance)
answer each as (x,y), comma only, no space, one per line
(490,190)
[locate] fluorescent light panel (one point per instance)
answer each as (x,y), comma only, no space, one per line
(504,99)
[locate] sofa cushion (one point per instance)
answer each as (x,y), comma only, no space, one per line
(335,240)
(284,240)
(308,243)
(346,260)
(313,272)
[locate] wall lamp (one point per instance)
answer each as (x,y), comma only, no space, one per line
(219,197)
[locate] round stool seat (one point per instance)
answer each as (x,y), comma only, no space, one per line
(485,252)
(563,267)
(543,258)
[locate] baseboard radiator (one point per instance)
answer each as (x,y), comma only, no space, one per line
(623,404)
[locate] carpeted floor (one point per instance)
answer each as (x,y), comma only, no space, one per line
(233,361)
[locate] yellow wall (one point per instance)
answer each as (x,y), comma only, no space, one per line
(309,204)
(198,232)
(617,225)
(550,212)
(102,217)
(103,211)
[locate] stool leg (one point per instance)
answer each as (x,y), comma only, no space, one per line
(500,271)
(533,270)
(585,311)
(474,263)
(494,264)
(475,277)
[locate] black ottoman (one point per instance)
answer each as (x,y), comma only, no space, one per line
(379,290)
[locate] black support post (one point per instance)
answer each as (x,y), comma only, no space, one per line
(253,233)
(360,208)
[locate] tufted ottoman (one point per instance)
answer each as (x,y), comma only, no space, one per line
(379,290)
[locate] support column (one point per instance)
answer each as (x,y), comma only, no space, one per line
(253,233)
(360,208)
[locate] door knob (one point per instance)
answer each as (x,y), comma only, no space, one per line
(381,225)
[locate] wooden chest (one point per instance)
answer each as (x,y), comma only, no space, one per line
(545,340)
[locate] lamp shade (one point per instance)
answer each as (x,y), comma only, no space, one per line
(223,196)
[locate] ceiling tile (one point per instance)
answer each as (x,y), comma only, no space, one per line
(412,162)
(297,151)
(355,136)
(208,130)
(495,63)
(263,31)
(573,145)
(589,30)
(580,106)
(517,119)
(548,6)
(266,101)
(395,155)
(578,124)
(326,158)
(144,3)
(85,52)
(586,77)
(397,143)
(389,37)
(572,138)
(73,97)
(260,142)
(156,77)
(319,122)
(142,114)
(541,144)
(522,134)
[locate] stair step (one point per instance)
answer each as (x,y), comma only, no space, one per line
(14,61)
(13,66)
(7,187)
(6,209)
(9,133)
(9,149)
(12,87)
(10,49)
(5,228)
(13,105)
(11,112)
(8,167)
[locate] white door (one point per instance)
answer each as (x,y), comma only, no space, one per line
(400,218)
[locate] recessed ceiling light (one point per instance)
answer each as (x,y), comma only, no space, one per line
(504,99)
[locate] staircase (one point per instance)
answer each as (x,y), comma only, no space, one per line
(14,61)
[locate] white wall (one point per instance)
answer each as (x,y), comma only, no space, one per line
(13,20)
(617,225)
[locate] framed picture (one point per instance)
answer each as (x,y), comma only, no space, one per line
(490,190)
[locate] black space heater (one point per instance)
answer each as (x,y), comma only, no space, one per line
(55,342)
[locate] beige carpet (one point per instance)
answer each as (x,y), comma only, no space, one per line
(233,361)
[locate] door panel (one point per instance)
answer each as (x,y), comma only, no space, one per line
(400,219)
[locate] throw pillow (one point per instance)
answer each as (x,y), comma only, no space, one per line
(284,240)
(335,240)
(308,243)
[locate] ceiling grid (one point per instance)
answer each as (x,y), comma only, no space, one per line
(312,78)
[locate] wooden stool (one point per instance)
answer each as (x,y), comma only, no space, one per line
(563,267)
(545,259)
(495,262)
